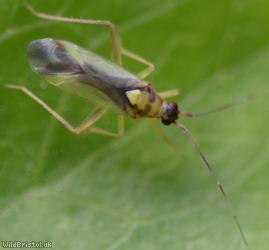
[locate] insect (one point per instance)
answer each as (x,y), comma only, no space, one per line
(106,83)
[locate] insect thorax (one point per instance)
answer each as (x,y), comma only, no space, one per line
(145,102)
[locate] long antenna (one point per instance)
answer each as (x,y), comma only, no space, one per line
(219,108)
(216,179)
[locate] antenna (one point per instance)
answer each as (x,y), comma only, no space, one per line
(219,108)
(216,179)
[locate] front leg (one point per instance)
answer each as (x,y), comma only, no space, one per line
(169,93)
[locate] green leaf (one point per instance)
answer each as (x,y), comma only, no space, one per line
(136,192)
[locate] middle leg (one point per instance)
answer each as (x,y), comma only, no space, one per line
(150,66)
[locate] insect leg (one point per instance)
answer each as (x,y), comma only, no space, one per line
(119,133)
(117,51)
(114,35)
(161,134)
(96,114)
(169,93)
(150,66)
(217,109)
(121,125)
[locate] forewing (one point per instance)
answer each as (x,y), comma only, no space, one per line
(82,72)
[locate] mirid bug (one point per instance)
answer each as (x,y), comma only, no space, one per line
(106,83)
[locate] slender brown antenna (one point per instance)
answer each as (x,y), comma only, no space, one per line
(216,179)
(218,109)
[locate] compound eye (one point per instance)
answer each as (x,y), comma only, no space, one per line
(172,110)
(167,122)
(170,113)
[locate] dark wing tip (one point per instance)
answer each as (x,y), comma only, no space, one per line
(49,56)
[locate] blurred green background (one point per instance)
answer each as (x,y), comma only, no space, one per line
(136,192)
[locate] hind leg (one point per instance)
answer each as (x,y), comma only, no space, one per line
(116,50)
(85,126)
